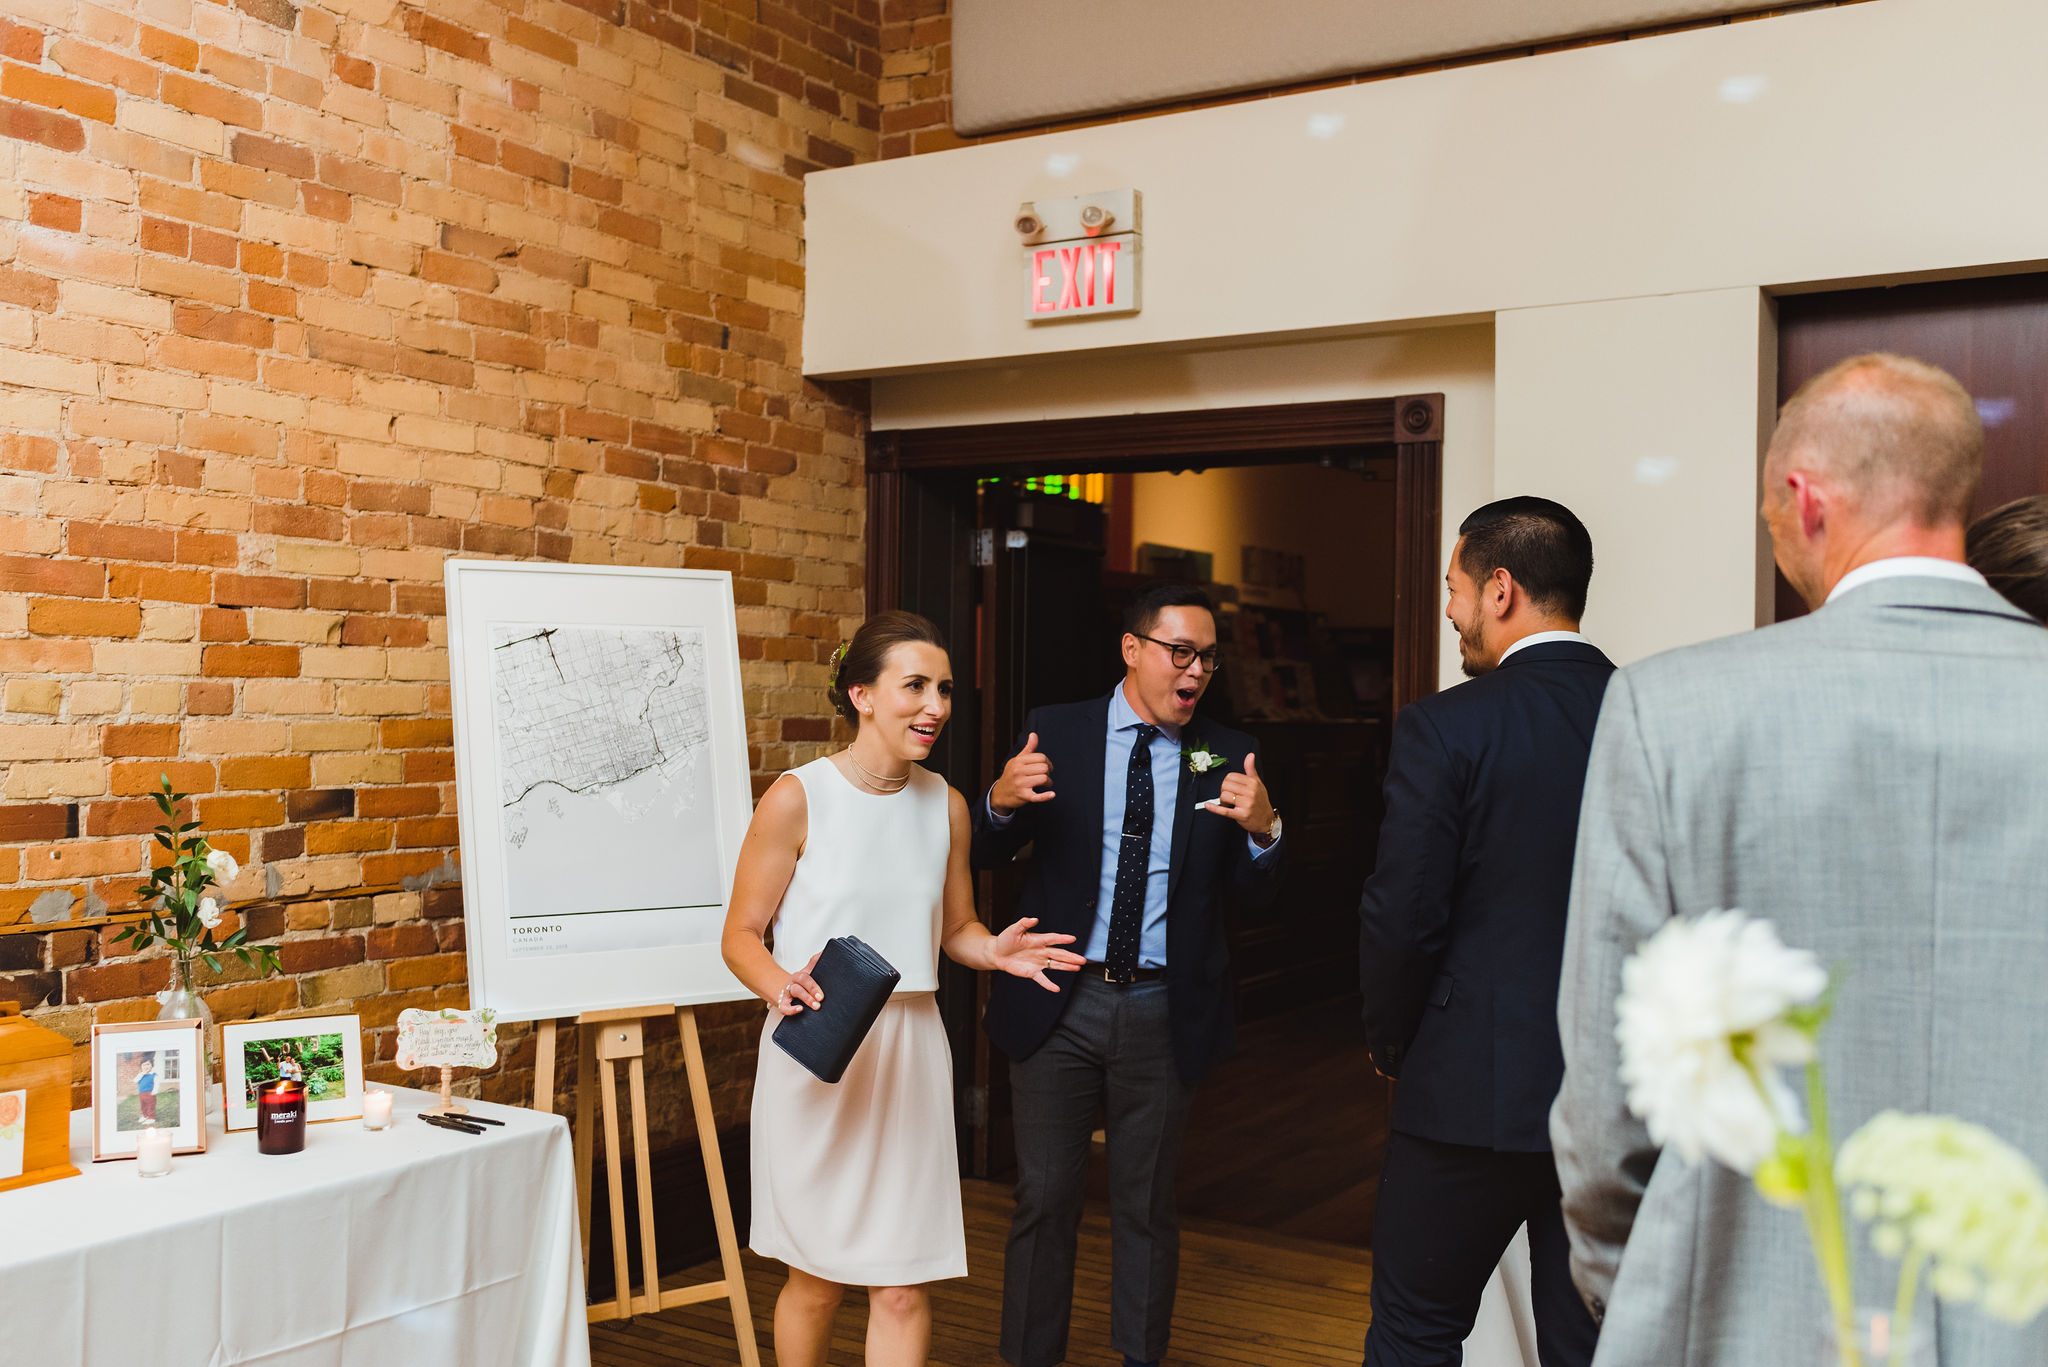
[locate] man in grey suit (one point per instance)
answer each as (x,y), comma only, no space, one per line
(1869,778)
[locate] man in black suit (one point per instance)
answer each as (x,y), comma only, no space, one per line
(1462,939)
(1137,816)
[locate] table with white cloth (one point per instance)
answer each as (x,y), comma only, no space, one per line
(410,1245)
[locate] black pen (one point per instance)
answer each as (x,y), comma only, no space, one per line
(447,1124)
(471,1118)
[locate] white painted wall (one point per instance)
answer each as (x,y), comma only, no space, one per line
(1867,141)
(1640,415)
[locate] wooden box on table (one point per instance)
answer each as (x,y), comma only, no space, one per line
(36,1061)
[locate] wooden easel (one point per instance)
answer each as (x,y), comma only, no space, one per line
(605,1037)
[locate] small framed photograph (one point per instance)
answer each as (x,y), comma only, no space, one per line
(148,1073)
(322,1053)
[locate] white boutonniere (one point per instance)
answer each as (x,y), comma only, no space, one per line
(1201,759)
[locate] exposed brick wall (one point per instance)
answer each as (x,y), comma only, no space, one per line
(296,300)
(917,76)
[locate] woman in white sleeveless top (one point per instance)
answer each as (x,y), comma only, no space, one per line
(857,1183)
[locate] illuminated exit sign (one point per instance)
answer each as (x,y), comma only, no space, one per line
(1069,279)
(1080,255)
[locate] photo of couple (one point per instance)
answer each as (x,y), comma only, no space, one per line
(317,1061)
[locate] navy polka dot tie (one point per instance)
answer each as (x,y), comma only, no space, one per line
(1133,860)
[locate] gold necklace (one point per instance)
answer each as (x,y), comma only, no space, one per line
(875,781)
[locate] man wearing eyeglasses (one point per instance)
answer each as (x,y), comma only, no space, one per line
(1137,816)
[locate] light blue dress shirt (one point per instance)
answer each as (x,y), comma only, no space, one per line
(1167,767)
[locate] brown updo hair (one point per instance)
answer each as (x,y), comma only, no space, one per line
(2009,547)
(862,658)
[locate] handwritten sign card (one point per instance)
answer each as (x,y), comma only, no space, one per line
(447,1038)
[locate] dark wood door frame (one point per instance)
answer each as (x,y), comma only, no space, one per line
(1408,428)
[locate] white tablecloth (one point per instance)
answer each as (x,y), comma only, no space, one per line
(413,1245)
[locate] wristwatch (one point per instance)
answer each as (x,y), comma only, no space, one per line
(1272,833)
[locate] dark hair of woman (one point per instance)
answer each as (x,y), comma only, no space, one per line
(862,658)
(2009,547)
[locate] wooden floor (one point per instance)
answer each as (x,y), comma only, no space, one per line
(1247,1299)
(1287,1134)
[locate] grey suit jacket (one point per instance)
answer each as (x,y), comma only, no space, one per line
(1874,779)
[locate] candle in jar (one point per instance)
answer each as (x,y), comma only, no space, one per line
(153,1152)
(280,1117)
(376,1109)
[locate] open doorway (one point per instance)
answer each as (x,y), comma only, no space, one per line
(1315,529)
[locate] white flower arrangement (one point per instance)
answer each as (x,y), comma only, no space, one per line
(1704,1028)
(1711,1009)
(1201,759)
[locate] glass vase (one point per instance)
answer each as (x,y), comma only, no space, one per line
(182,1002)
(1876,1343)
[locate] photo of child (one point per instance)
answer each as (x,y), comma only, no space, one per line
(146,1089)
(315,1060)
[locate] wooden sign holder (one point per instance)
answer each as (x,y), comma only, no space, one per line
(604,1038)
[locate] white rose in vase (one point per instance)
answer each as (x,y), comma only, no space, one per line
(223,866)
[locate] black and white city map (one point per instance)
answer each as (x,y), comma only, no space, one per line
(604,767)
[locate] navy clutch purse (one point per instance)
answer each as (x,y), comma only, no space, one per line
(856,982)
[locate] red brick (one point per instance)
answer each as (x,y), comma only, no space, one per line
(429,972)
(359,178)
(140,738)
(57,92)
(209,699)
(267,154)
(110,982)
(524,161)
(150,583)
(101,541)
(240,812)
(406,940)
(223,624)
(233,661)
(421,801)
(440,33)
(84,617)
(59,212)
(139,778)
(30,124)
(169,49)
(19,574)
(223,325)
(347,837)
(20,42)
(354,71)
(435,832)
(310,956)
(130,816)
(267,772)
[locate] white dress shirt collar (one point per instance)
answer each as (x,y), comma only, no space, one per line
(1541,638)
(1122,715)
(1900,566)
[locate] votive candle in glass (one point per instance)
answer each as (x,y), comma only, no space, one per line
(153,1152)
(281,1116)
(376,1109)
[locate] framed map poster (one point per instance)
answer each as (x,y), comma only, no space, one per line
(601,783)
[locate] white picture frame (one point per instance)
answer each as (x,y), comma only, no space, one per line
(307,1034)
(590,884)
(162,1061)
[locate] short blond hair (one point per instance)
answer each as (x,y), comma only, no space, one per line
(1899,436)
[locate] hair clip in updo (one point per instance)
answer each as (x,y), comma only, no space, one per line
(838,661)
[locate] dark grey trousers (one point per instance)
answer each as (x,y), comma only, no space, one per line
(1112,1049)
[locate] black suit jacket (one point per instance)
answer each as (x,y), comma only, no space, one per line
(1065,880)
(1461,928)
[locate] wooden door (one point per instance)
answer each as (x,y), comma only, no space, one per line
(1991,334)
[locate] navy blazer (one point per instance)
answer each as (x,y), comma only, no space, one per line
(1065,879)
(1461,926)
